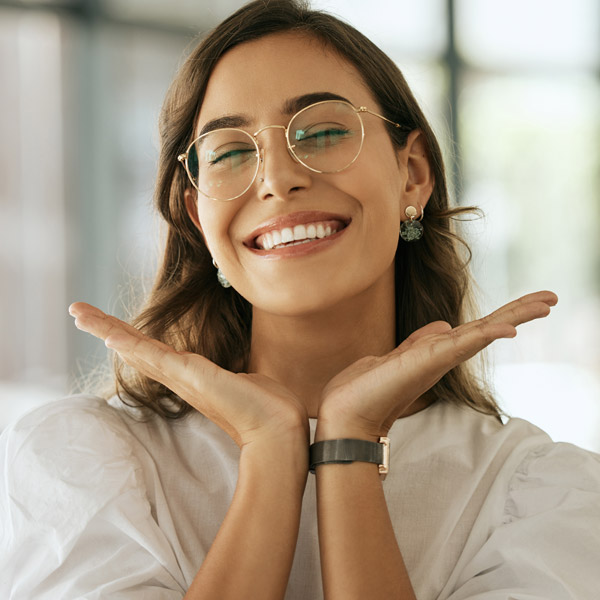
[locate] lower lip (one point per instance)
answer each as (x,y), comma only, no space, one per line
(300,249)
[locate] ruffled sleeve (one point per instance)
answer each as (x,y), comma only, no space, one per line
(547,544)
(75,517)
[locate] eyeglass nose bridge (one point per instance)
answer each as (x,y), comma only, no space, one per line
(261,151)
(269,127)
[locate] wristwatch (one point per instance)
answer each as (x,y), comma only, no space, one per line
(351,450)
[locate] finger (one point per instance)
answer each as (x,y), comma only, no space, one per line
(449,349)
(520,311)
(538,303)
(138,350)
(78,308)
(542,301)
(194,378)
(513,315)
(189,375)
(185,373)
(150,357)
(92,320)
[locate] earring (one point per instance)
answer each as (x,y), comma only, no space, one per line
(221,278)
(411,231)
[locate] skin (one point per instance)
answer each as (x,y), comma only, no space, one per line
(322,338)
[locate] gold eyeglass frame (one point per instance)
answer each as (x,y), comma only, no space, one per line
(183,158)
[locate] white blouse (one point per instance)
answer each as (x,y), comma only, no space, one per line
(96,503)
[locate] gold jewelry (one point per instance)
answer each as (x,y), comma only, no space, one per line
(412,230)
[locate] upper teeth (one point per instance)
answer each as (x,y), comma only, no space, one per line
(299,233)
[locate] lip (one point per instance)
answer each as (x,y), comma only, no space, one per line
(298,218)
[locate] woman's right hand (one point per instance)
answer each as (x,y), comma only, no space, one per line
(250,408)
(267,422)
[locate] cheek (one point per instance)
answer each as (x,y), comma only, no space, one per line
(215,222)
(378,190)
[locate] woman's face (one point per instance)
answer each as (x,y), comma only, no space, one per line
(364,202)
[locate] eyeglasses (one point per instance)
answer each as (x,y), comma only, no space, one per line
(325,137)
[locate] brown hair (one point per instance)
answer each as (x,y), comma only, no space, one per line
(187,307)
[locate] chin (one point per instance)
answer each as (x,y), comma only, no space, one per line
(296,301)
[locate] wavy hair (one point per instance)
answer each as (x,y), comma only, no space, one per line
(188,309)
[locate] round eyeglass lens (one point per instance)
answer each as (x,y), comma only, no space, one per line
(326,137)
(223,163)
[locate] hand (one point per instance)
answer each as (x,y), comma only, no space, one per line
(248,407)
(367,397)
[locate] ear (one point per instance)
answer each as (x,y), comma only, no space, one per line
(419,176)
(191,205)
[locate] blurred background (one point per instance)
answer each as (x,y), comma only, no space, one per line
(512,88)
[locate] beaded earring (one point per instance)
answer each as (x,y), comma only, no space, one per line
(412,230)
(221,278)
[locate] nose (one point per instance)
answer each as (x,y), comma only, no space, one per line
(280,175)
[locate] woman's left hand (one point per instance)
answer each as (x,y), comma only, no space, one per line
(367,397)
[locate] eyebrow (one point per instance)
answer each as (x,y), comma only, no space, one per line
(293,105)
(290,107)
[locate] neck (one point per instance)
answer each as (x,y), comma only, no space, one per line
(305,352)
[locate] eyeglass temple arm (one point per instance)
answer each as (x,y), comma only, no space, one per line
(365,109)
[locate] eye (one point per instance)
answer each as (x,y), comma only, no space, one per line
(230,155)
(322,134)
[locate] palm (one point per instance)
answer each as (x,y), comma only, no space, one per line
(246,406)
(375,391)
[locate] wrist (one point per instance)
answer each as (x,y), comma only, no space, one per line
(330,427)
(353,450)
(285,460)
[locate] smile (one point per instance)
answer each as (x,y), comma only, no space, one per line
(299,234)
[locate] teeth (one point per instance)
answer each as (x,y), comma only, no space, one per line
(300,234)
(292,244)
(269,241)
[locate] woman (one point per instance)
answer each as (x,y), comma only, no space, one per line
(293,159)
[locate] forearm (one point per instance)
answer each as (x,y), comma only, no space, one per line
(360,557)
(253,551)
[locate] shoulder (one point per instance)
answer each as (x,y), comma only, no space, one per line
(59,431)
(554,476)
(528,459)
(67,457)
(528,506)
(540,536)
(474,438)
(74,497)
(65,416)
(544,474)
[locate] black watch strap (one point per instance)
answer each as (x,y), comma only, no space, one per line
(350,450)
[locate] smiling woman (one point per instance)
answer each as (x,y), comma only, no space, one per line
(312,290)
(238,91)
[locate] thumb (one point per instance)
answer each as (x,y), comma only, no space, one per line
(436,327)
